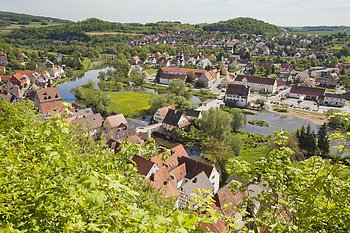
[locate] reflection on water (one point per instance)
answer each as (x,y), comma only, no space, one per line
(65,89)
(276,122)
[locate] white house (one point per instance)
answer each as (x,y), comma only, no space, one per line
(256,83)
(237,95)
(160,114)
(335,100)
(203,64)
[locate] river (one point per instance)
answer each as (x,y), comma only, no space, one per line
(276,122)
(65,89)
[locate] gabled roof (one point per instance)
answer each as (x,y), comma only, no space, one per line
(195,167)
(88,122)
(193,113)
(143,165)
(182,70)
(225,197)
(172,117)
(256,79)
(179,173)
(200,181)
(48,94)
(237,89)
(308,91)
(164,110)
(176,152)
(173,76)
(161,180)
(117,121)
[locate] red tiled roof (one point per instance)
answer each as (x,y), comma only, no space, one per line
(143,165)
(194,167)
(256,79)
(308,91)
(117,121)
(161,180)
(182,70)
(48,94)
(237,89)
(173,76)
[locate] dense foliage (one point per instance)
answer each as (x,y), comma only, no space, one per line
(243,26)
(310,197)
(53,179)
(24,18)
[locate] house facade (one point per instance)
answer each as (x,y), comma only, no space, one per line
(258,84)
(237,95)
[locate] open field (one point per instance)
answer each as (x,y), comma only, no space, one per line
(129,103)
(30,25)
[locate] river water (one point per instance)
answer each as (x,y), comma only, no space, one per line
(65,89)
(276,122)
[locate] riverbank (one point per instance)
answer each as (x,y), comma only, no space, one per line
(314,117)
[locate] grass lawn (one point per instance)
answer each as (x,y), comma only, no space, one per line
(129,103)
(252,155)
(151,71)
(345,59)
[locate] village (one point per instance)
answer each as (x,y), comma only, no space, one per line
(250,75)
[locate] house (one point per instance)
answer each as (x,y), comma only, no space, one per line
(307,93)
(329,82)
(168,78)
(144,166)
(3,60)
(195,167)
(226,80)
(20,80)
(48,101)
(164,182)
(2,70)
(203,64)
(115,122)
(322,71)
(192,186)
(336,100)
(135,60)
(193,114)
(237,95)
(171,73)
(286,68)
(12,89)
(56,72)
(9,98)
(302,76)
(47,63)
(91,123)
(195,101)
(160,114)
(115,137)
(208,78)
(256,83)
(175,119)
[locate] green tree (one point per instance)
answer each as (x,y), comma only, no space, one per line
(216,123)
(323,141)
(57,180)
(310,197)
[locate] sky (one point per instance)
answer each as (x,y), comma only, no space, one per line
(279,12)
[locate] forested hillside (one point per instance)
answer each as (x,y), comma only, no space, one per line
(24,18)
(243,25)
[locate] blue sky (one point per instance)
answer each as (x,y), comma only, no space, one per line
(279,12)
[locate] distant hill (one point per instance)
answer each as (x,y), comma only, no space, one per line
(243,25)
(11,17)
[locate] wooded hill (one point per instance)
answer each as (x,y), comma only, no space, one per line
(24,18)
(243,25)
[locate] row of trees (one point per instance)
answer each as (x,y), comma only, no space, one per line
(314,144)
